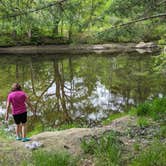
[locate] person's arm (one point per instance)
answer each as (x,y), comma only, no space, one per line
(30,105)
(7,111)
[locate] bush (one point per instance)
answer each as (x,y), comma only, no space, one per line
(143,109)
(154,109)
(6,41)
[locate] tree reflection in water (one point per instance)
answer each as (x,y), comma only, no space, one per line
(81,88)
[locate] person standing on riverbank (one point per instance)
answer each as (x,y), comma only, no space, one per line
(18,100)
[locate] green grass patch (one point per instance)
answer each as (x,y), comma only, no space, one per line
(113,117)
(106,150)
(44,158)
(152,156)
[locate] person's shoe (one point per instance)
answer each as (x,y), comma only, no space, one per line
(26,139)
(18,138)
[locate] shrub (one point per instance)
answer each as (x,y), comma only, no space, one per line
(154,109)
(143,109)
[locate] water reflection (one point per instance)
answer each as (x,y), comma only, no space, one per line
(85,88)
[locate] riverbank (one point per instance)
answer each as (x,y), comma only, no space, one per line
(132,135)
(78,49)
(135,138)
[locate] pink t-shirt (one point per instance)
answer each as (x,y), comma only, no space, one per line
(17,99)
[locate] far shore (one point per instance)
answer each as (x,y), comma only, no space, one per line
(73,49)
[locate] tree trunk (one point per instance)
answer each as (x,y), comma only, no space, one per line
(70,33)
(29,33)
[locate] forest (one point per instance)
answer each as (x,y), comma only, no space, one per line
(36,22)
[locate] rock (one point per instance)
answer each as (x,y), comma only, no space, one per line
(34,145)
(146,45)
(142,51)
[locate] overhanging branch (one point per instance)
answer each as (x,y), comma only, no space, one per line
(59,2)
(141,19)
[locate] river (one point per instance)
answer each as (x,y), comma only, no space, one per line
(82,89)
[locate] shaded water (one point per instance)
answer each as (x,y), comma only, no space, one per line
(81,88)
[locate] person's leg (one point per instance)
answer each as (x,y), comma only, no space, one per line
(23,121)
(23,130)
(18,127)
(18,130)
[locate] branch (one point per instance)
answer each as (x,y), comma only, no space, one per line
(141,19)
(33,10)
(164,1)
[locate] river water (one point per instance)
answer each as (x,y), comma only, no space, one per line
(82,89)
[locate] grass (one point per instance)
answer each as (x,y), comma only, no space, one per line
(113,117)
(106,150)
(162,132)
(154,155)
(136,146)
(6,134)
(44,158)
(143,122)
